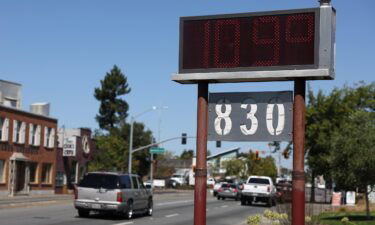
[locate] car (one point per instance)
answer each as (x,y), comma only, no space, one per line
(110,192)
(217,185)
(229,191)
(259,189)
(210,182)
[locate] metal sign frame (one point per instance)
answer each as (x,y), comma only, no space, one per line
(323,69)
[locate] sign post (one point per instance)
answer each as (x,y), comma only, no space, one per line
(288,45)
(200,188)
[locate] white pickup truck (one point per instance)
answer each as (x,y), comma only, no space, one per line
(258,189)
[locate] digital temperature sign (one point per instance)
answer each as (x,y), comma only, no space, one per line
(212,46)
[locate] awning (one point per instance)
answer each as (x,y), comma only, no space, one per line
(19,157)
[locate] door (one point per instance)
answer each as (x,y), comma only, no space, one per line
(143,194)
(136,194)
(20,179)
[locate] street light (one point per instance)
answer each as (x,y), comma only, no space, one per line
(132,119)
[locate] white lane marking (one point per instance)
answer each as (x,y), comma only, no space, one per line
(172,215)
(173,203)
(224,206)
(123,223)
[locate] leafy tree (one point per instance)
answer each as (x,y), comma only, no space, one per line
(327,117)
(113,110)
(235,167)
(187,154)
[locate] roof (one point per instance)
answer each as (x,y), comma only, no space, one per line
(9,82)
(26,112)
(221,154)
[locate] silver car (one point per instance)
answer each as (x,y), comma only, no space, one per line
(123,194)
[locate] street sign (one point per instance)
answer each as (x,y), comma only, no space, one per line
(250,116)
(262,46)
(157,150)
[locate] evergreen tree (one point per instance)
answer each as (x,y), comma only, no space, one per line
(113,110)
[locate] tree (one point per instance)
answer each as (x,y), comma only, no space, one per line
(113,110)
(327,116)
(187,154)
(235,167)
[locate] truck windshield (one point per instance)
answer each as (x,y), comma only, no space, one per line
(259,181)
(105,181)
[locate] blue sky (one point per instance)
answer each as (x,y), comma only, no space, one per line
(60,50)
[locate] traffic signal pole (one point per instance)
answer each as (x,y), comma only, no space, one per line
(200,192)
(298,191)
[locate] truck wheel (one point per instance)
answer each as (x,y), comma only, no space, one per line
(150,208)
(243,201)
(218,197)
(129,211)
(269,202)
(83,213)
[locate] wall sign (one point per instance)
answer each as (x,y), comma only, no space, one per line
(250,116)
(69,146)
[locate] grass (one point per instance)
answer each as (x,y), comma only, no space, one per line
(358,218)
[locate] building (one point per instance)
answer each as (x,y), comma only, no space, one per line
(76,149)
(27,145)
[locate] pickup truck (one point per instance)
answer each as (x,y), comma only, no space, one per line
(258,189)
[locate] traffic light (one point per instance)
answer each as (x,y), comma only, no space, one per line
(257,155)
(218,144)
(183,138)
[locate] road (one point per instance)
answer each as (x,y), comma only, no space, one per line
(168,210)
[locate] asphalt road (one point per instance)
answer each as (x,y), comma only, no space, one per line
(170,209)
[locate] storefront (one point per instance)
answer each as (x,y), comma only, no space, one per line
(75,151)
(27,152)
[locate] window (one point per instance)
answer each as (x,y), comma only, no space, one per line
(33,129)
(19,129)
(46,173)
(10,102)
(125,182)
(2,171)
(135,183)
(49,137)
(73,172)
(259,181)
(4,129)
(33,172)
(105,181)
(140,183)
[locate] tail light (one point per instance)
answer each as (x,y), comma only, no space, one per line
(241,187)
(220,189)
(268,188)
(119,197)
(235,190)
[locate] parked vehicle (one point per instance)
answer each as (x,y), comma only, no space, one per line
(122,194)
(259,189)
(217,186)
(177,179)
(229,191)
(210,182)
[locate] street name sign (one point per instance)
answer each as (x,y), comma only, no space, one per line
(250,116)
(262,46)
(157,150)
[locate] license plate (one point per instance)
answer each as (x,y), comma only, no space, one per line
(96,206)
(255,194)
(227,191)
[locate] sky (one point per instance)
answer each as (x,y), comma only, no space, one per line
(60,50)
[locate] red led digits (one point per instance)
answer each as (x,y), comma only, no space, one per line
(296,23)
(266,39)
(227,43)
(247,42)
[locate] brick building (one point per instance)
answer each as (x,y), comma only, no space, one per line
(75,150)
(28,145)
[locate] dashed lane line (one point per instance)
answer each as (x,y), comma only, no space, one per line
(172,215)
(125,223)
